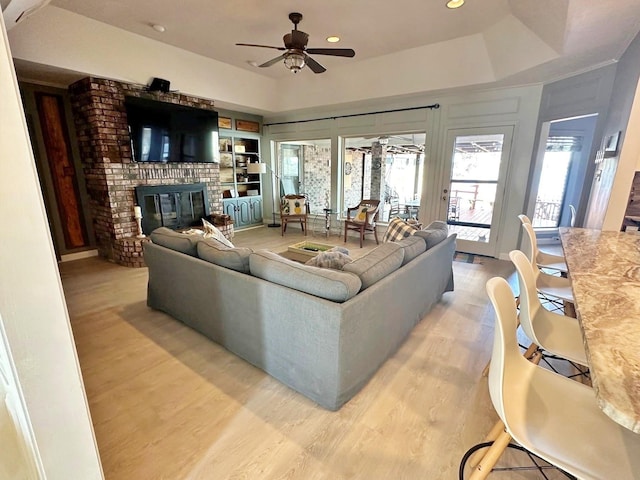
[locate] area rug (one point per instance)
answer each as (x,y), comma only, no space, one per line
(467,258)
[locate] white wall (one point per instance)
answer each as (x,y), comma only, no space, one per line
(39,343)
(624,116)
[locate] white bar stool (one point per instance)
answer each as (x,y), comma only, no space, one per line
(543,259)
(558,334)
(549,415)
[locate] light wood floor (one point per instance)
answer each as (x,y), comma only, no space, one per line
(167,403)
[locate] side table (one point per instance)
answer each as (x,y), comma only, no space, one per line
(327,220)
(326,228)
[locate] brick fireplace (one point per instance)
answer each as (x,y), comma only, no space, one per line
(110,172)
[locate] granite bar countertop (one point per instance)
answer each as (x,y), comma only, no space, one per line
(604,268)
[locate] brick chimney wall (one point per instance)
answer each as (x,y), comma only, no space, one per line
(110,172)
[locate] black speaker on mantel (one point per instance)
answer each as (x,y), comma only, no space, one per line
(159,85)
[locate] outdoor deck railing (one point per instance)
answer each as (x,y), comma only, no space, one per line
(546,213)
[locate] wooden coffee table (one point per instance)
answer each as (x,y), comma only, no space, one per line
(304,251)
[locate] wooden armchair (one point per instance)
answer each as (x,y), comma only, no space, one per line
(294,208)
(364,219)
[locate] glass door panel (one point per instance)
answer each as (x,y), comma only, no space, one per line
(551,189)
(304,167)
(474,193)
(291,166)
(559,176)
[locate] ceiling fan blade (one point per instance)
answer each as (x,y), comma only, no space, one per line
(314,66)
(336,52)
(261,46)
(272,61)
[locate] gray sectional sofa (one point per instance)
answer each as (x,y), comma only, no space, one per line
(322,332)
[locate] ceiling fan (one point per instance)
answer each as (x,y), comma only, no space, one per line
(296,53)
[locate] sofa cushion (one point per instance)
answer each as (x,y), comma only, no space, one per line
(412,246)
(321,282)
(180,242)
(434,233)
(330,259)
(376,264)
(213,251)
(210,231)
(397,230)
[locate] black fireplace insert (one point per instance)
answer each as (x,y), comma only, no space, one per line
(173,206)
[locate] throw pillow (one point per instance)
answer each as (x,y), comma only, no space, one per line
(210,231)
(193,231)
(296,206)
(339,249)
(329,259)
(397,230)
(365,212)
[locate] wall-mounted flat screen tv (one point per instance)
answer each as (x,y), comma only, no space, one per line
(166,132)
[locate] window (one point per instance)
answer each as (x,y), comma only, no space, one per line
(387,168)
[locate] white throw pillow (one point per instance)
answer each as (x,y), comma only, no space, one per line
(365,212)
(334,260)
(296,206)
(210,231)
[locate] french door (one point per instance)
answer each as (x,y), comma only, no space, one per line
(475,173)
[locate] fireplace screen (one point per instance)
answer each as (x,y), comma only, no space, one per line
(172,206)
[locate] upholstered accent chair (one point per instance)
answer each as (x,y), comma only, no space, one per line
(294,208)
(364,219)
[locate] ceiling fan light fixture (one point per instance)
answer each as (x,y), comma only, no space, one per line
(296,54)
(455,3)
(294,61)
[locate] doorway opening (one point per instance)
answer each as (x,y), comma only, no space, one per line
(304,168)
(388,168)
(476,173)
(559,179)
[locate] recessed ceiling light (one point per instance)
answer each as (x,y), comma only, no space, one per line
(158,28)
(455,3)
(333,39)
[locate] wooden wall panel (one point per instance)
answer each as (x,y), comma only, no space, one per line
(56,140)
